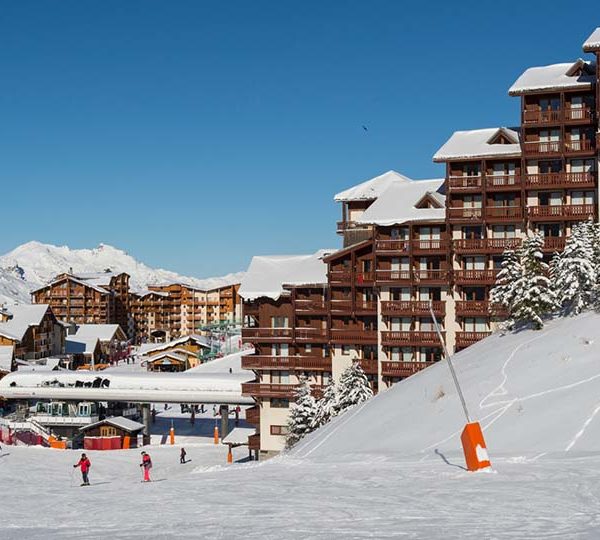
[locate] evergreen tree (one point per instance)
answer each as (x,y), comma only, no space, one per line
(533,293)
(302,414)
(574,271)
(502,294)
(354,388)
(327,406)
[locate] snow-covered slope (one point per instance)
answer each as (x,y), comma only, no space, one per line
(33,264)
(533,392)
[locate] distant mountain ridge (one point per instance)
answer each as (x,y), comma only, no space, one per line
(32,265)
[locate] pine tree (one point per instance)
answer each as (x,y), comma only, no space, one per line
(502,294)
(533,293)
(327,406)
(574,271)
(354,388)
(302,414)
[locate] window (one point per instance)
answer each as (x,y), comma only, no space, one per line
(474,263)
(280,377)
(549,167)
(475,324)
(280,349)
(503,231)
(308,349)
(108,431)
(582,197)
(471,169)
(550,198)
(549,229)
(399,233)
(279,430)
(279,322)
(400,293)
(472,232)
(474,294)
(472,201)
(400,324)
(401,354)
(550,104)
(426,324)
(430,293)
(429,233)
(429,354)
(280,403)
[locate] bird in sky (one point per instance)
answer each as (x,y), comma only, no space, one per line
(365,128)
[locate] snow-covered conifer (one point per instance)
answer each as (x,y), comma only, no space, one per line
(502,294)
(327,406)
(302,414)
(354,387)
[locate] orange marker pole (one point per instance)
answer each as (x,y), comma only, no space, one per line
(172,435)
(216,434)
(472,440)
(229,455)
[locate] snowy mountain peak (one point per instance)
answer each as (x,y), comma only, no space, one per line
(33,264)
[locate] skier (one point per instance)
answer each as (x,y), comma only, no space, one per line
(84,464)
(153,414)
(146,464)
(182,456)
(192,417)
(237,415)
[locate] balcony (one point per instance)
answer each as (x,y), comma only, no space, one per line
(554,243)
(437,246)
(343,226)
(369,365)
(365,306)
(583,146)
(474,308)
(345,336)
(291,363)
(543,148)
(503,182)
(341,306)
(310,306)
(475,277)
(365,278)
(253,415)
(392,246)
(406,338)
(485,245)
(311,335)
(409,308)
(433,277)
(267,334)
(465,339)
(536,116)
(393,276)
(562,212)
(340,276)
(464,214)
(503,213)
(465,183)
(266,390)
(564,180)
(402,369)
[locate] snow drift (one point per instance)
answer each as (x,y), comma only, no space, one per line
(534,392)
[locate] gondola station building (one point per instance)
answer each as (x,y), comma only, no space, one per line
(408,243)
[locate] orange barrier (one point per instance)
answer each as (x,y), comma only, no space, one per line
(474,447)
(55,443)
(172,436)
(229,455)
(216,435)
(126,442)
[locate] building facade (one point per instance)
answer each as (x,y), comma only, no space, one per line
(411,246)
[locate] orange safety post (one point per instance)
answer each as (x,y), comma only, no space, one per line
(126,442)
(474,447)
(229,455)
(172,435)
(216,434)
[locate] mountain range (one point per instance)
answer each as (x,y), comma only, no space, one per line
(32,265)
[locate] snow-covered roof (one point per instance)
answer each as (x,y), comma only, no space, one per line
(146,292)
(479,143)
(238,435)
(103,332)
(6,358)
(74,279)
(398,204)
(371,189)
(117,421)
(74,345)
(148,348)
(593,42)
(178,356)
(23,316)
(554,77)
(267,275)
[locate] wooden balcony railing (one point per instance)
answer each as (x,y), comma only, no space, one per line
(253,415)
(365,277)
(402,369)
(435,275)
(561,212)
(309,306)
(561,179)
(311,334)
(268,390)
(411,307)
(465,339)
(542,148)
(538,116)
(341,305)
(340,276)
(401,338)
(365,306)
(480,245)
(485,276)
(576,115)
(392,245)
(465,183)
(464,214)
(579,146)
(503,213)
(369,365)
(394,276)
(345,225)
(342,335)
(554,243)
(264,362)
(266,333)
(502,182)
(254,442)
(428,246)
(472,307)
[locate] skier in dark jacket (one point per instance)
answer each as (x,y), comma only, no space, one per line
(84,464)
(182,456)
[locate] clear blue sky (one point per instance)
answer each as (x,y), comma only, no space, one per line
(195,134)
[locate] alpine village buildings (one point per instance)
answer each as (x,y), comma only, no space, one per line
(410,244)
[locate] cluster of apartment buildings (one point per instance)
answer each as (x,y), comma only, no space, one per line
(158,313)
(410,244)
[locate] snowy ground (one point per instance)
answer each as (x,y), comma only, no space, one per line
(389,469)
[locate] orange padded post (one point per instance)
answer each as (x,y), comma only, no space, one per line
(172,435)
(474,447)
(126,442)
(216,435)
(229,455)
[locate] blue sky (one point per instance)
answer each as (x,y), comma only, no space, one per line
(195,134)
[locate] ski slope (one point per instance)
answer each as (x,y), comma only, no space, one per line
(389,469)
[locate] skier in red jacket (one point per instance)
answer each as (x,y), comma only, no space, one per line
(146,464)
(84,464)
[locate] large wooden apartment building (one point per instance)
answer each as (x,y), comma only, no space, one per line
(409,243)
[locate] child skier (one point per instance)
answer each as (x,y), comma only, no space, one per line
(146,464)
(182,456)
(84,464)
